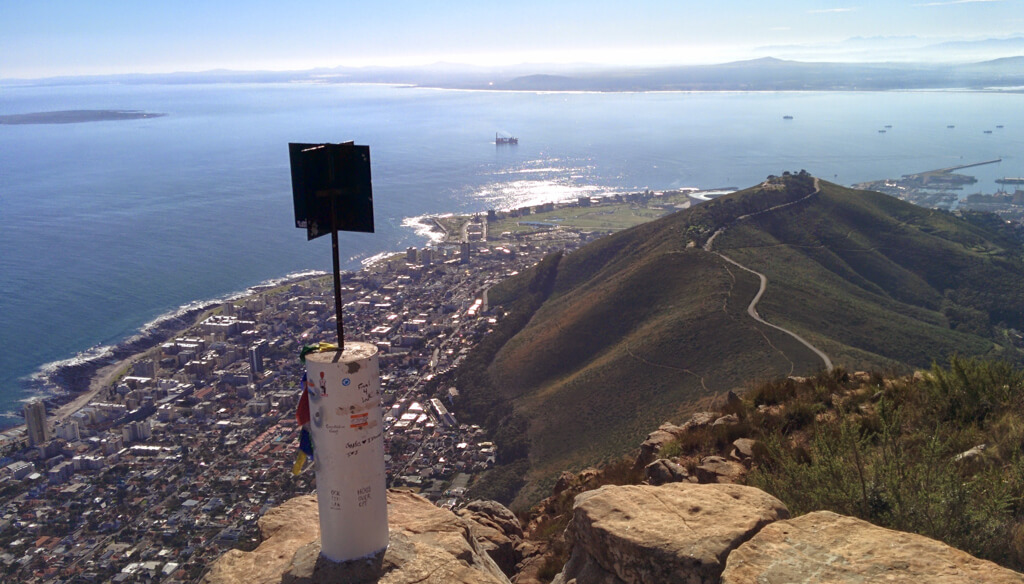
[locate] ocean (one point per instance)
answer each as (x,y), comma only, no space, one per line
(107,226)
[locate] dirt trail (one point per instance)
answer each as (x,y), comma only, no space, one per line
(752,307)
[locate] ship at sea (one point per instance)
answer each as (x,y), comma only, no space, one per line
(499,140)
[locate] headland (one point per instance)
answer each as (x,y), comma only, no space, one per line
(76,117)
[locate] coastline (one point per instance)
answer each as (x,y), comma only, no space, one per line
(69,385)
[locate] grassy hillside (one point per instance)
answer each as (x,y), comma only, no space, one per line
(876,280)
(607,342)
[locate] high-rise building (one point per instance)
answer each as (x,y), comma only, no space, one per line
(35,421)
(144,368)
(256,353)
(68,430)
(410,255)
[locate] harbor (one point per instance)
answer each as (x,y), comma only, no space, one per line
(942,189)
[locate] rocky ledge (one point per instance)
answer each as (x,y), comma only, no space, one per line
(679,532)
(428,545)
(826,547)
(733,534)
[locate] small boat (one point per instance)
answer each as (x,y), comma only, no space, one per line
(950,126)
(881,131)
(988,131)
(888,126)
(1000,126)
(787,117)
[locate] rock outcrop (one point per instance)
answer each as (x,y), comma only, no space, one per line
(680,532)
(283,529)
(497,531)
(826,547)
(427,545)
(669,432)
(715,469)
(663,471)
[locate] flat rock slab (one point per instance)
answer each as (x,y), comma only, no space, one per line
(679,532)
(826,547)
(427,545)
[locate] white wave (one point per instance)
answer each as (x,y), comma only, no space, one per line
(423,226)
(96,353)
(229,297)
(369,261)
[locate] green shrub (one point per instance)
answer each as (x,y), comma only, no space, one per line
(895,464)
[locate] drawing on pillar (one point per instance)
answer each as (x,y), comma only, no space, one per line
(323,385)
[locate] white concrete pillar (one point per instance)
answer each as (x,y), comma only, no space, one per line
(348,441)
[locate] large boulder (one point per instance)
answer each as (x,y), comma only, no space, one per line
(743,449)
(715,469)
(826,547)
(663,471)
(427,545)
(655,441)
(497,530)
(679,532)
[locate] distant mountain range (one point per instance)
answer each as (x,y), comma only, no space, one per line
(604,344)
(765,74)
(770,74)
(899,49)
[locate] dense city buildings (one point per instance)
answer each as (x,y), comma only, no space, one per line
(174,462)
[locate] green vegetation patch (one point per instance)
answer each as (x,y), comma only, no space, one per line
(940,454)
(607,217)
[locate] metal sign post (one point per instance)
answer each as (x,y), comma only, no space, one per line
(332,192)
(331,189)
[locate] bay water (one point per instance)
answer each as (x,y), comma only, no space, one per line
(106,226)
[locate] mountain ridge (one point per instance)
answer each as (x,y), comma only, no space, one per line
(643,324)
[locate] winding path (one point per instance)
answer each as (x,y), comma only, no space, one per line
(752,307)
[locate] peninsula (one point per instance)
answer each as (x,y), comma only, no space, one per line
(76,117)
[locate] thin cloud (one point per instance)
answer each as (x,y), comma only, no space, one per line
(831,10)
(952,2)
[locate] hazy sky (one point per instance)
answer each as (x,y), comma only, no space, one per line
(41,38)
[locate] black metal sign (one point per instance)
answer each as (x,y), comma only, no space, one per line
(331,188)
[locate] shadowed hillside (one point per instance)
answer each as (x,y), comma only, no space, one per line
(642,325)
